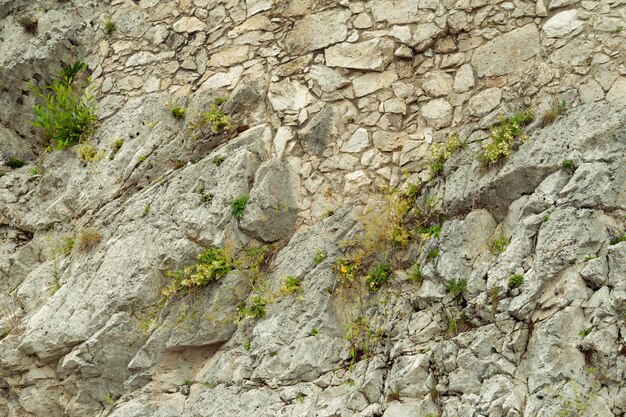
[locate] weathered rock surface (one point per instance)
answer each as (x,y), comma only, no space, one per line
(508,300)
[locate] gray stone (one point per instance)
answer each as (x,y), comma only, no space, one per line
(316,134)
(372,55)
(507,53)
(437,83)
(372,82)
(395,11)
(561,24)
(464,79)
(617,93)
(189,25)
(484,102)
(317,31)
(271,212)
(438,113)
(357,142)
(289,95)
(329,80)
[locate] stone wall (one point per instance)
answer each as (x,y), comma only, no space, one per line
(332,103)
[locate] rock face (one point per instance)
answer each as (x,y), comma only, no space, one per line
(469,289)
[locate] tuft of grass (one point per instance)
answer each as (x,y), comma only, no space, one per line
(568,165)
(585,332)
(416,274)
(558,107)
(110,27)
(314,331)
(590,256)
(498,245)
(516,281)
(115,147)
(66,245)
(88,239)
(292,285)
(615,237)
(502,137)
(239,206)
(15,163)
(456,286)
(378,276)
(65,115)
(217,160)
(247,345)
(214,119)
(88,153)
(146,211)
(178,112)
(320,256)
(439,153)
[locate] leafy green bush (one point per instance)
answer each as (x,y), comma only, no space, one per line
(378,276)
(254,310)
(292,285)
(516,280)
(110,27)
(239,206)
(440,152)
(502,137)
(214,119)
(498,245)
(65,114)
(213,264)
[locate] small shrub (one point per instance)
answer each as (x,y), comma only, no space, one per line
(498,245)
(239,206)
(87,240)
(502,137)
(213,264)
(568,165)
(378,276)
(66,245)
(178,112)
(516,281)
(440,152)
(456,286)
(214,119)
(254,310)
(88,153)
(110,27)
(320,256)
(65,115)
(558,107)
(36,170)
(584,332)
(217,160)
(314,331)
(292,284)
(15,163)
(247,345)
(615,237)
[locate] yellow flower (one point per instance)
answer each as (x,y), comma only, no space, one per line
(343,269)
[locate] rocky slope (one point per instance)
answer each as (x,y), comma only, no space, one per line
(507,295)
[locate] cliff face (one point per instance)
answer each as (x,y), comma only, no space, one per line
(491,287)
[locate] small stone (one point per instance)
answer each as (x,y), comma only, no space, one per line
(189,25)
(363,21)
(437,113)
(388,141)
(371,82)
(356,180)
(229,57)
(437,84)
(317,31)
(395,105)
(373,55)
(484,102)
(328,79)
(283,136)
(590,91)
(404,52)
(289,95)
(464,79)
(357,142)
(562,24)
(617,93)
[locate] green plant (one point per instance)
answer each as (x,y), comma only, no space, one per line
(15,163)
(187,382)
(109,399)
(497,246)
(495,299)
(214,119)
(456,287)
(378,276)
(178,112)
(615,237)
(558,107)
(115,147)
(590,256)
(217,160)
(110,27)
(36,170)
(320,256)
(516,281)
(213,264)
(568,165)
(247,345)
(545,218)
(254,310)
(432,250)
(503,136)
(65,115)
(439,153)
(292,284)
(314,331)
(146,211)
(66,245)
(87,240)
(88,153)
(416,274)
(585,332)
(239,206)
(141,159)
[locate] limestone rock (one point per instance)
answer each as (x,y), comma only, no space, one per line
(507,53)
(289,95)
(437,84)
(561,24)
(484,102)
(438,113)
(189,25)
(318,31)
(372,55)
(371,82)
